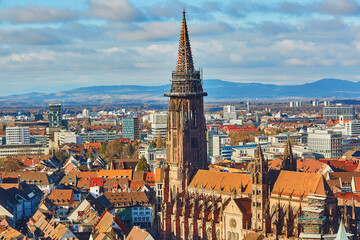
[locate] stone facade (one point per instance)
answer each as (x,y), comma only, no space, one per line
(186,130)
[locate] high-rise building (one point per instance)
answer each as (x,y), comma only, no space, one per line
(86,113)
(229,112)
(55,115)
(295,104)
(338,110)
(325,143)
(131,128)
(352,127)
(186,139)
(17,135)
(158,125)
(211,132)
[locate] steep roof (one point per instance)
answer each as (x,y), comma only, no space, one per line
(120,199)
(137,233)
(38,178)
(159,175)
(221,181)
(105,224)
(357,183)
(100,203)
(345,176)
(244,204)
(303,165)
(10,233)
(300,184)
(63,197)
(128,173)
(341,234)
(254,236)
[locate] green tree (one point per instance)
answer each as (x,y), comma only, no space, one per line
(103,150)
(143,165)
(90,154)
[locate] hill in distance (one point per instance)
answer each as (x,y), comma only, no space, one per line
(217,90)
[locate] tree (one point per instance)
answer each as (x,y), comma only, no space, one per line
(143,165)
(153,144)
(103,150)
(61,155)
(90,154)
(129,150)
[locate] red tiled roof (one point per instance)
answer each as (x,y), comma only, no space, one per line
(96,182)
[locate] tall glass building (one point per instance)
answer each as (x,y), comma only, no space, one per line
(55,115)
(131,128)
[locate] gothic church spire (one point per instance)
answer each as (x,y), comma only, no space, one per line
(185,61)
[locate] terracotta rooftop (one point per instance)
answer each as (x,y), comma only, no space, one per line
(303,165)
(8,232)
(105,224)
(254,236)
(30,177)
(62,197)
(221,181)
(300,184)
(137,233)
(96,182)
(121,199)
(345,176)
(357,183)
(159,175)
(122,173)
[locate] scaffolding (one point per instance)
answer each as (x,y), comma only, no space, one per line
(314,217)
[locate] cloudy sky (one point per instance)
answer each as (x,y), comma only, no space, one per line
(52,45)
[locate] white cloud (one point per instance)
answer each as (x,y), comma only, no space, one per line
(36,14)
(120,10)
(25,57)
(151,31)
(338,7)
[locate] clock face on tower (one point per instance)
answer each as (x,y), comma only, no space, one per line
(232,223)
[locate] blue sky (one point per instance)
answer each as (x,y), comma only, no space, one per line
(52,45)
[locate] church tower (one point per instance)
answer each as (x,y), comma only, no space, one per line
(186,129)
(288,162)
(259,197)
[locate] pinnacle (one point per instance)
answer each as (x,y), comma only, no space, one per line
(185,60)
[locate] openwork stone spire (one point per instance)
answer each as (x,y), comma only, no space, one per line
(185,60)
(259,157)
(288,161)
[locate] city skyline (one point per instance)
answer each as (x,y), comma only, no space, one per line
(53,46)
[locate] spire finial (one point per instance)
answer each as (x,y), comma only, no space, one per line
(184,12)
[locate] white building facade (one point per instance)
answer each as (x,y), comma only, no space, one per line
(229,112)
(325,143)
(352,128)
(17,135)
